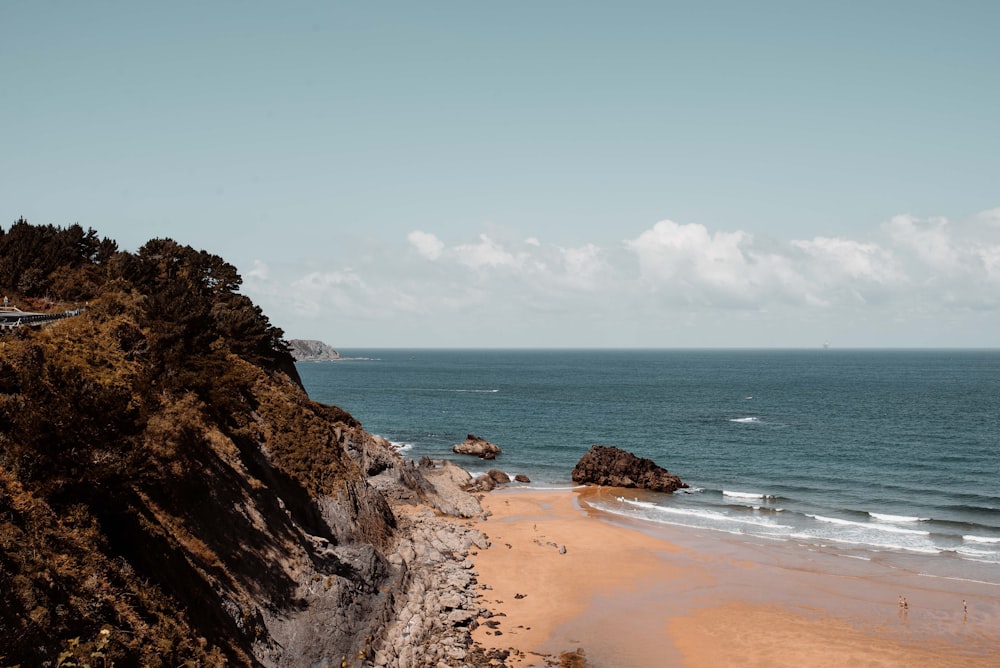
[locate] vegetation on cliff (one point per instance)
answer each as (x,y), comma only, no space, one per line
(166,486)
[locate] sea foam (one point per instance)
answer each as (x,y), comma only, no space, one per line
(715,517)
(746,495)
(897,518)
(868,525)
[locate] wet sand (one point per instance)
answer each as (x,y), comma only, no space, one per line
(640,596)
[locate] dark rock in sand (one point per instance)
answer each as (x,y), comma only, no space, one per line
(480,447)
(487,482)
(614,467)
(499,477)
(577,659)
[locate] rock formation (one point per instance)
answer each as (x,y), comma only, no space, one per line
(449,484)
(480,447)
(614,467)
(309,350)
(487,482)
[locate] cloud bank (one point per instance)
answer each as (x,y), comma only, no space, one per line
(913,282)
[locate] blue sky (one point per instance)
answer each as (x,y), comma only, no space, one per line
(659,174)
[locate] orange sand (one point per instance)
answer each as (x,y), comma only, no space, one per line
(638,598)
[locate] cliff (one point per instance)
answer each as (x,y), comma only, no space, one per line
(308,350)
(169,494)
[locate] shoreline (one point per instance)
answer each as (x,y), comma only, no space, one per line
(560,574)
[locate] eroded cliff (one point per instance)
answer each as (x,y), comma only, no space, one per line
(169,494)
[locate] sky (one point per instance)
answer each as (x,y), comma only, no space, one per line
(533,174)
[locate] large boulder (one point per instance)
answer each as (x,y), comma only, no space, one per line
(448,488)
(480,447)
(614,467)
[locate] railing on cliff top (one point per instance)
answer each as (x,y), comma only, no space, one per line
(12,317)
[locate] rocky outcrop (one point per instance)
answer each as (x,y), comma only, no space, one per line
(435,602)
(480,447)
(429,596)
(487,482)
(614,467)
(449,483)
(309,350)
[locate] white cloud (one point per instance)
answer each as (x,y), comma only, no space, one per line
(486,253)
(671,284)
(958,263)
(317,289)
(686,264)
(990,217)
(536,268)
(930,240)
(834,259)
(584,267)
(833,270)
(259,271)
(427,244)
(990,258)
(689,253)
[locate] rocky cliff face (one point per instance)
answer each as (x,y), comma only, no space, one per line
(250,538)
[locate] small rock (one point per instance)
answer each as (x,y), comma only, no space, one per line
(451,601)
(460,617)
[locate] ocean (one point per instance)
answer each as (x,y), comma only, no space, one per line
(874,454)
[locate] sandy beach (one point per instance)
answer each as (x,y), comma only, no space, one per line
(561,575)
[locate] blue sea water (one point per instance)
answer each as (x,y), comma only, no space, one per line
(865,452)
